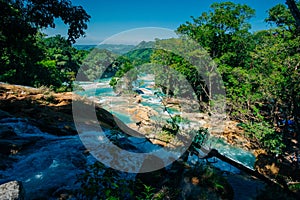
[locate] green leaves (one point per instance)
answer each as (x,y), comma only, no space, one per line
(99,63)
(216,29)
(100,182)
(200,136)
(259,69)
(280,16)
(26,56)
(276,60)
(231,17)
(126,74)
(147,194)
(267,137)
(60,63)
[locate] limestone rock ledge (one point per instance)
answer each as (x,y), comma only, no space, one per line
(12,190)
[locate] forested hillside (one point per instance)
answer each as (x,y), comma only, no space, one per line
(260,70)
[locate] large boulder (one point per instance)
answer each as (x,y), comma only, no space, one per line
(12,190)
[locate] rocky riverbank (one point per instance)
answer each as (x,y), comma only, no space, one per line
(52,113)
(220,127)
(47,165)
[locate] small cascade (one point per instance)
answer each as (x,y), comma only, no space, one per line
(50,163)
(240,155)
(53,163)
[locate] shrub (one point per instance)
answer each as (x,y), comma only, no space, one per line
(266,135)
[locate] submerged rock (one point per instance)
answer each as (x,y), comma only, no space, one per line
(12,190)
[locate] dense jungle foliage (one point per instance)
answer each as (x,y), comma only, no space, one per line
(260,70)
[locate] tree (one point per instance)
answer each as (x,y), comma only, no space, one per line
(259,70)
(294,11)
(99,63)
(20,22)
(33,15)
(281,17)
(125,75)
(60,63)
(172,69)
(285,16)
(277,61)
(224,33)
(222,30)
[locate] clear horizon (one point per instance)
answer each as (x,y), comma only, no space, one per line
(109,18)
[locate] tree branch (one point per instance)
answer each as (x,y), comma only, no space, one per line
(294,11)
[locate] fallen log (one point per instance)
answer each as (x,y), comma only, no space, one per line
(214,153)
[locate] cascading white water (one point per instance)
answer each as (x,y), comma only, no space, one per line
(48,164)
(54,162)
(240,155)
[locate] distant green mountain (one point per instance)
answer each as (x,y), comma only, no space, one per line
(145,45)
(139,56)
(99,63)
(105,60)
(119,49)
(114,48)
(84,47)
(141,52)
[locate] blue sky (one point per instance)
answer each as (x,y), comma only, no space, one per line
(111,17)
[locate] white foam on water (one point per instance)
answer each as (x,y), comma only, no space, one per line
(48,163)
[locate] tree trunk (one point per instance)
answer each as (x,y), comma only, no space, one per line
(215,153)
(295,113)
(295,11)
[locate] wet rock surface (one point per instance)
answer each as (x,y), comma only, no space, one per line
(11,143)
(52,113)
(12,190)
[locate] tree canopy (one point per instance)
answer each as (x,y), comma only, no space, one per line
(23,57)
(28,16)
(259,69)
